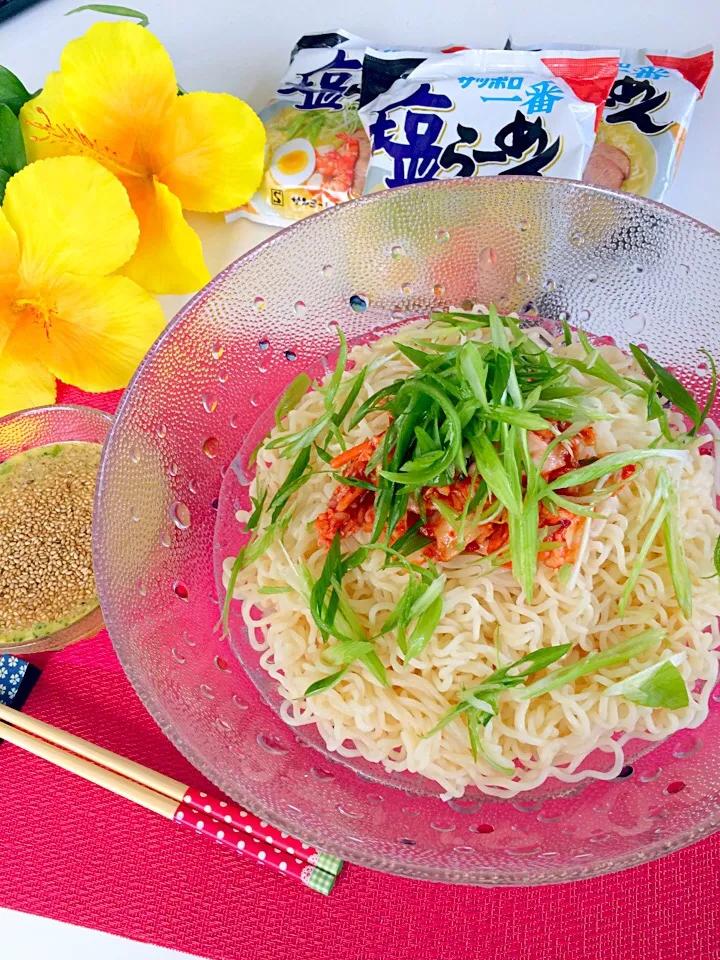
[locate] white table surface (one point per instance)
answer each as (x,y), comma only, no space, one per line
(242,47)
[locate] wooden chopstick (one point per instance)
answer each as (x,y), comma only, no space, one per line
(171,799)
(144,796)
(180,792)
(90,751)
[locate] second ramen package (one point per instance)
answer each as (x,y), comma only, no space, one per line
(646,119)
(484,112)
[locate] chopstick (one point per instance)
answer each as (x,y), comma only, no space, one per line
(219,819)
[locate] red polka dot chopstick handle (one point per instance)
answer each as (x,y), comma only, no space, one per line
(219,819)
(242,841)
(261,830)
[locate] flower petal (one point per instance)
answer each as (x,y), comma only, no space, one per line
(70,214)
(169,255)
(47,125)
(101,331)
(9,252)
(24,379)
(210,151)
(119,83)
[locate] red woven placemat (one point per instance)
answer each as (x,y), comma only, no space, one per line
(73,852)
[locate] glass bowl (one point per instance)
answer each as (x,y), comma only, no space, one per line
(39,427)
(618,265)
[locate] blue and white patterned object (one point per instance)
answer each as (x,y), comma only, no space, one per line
(17,677)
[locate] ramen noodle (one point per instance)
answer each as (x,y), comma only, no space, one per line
(478,638)
(483,112)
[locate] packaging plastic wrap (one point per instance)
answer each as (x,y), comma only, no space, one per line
(484,112)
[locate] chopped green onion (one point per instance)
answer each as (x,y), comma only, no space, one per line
(291,397)
(660,685)
(594,662)
(270,591)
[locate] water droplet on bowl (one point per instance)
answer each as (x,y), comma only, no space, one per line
(300,309)
(358,303)
(396,251)
(258,304)
(327,270)
(583,316)
(141,588)
(438,290)
(253,400)
(180,515)
(209,402)
(263,344)
(218,350)
(165,538)
(262,368)
(592,278)
(211,447)
(577,240)
(234,420)
(180,590)
(193,485)
(406,289)
(634,324)
(161,431)
(134,515)
(223,375)
(398,316)
(550,285)
(173,469)
(322,775)
(290,355)
(134,456)
(523,226)
(442,236)
(523,277)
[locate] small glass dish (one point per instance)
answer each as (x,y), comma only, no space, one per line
(39,427)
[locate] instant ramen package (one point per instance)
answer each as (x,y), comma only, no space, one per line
(484,112)
(646,119)
(317,150)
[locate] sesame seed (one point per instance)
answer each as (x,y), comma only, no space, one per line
(46,500)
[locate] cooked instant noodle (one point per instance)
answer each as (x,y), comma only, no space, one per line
(610,579)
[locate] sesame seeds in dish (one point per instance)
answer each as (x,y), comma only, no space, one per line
(46,575)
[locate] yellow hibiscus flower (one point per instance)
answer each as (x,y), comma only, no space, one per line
(65,224)
(115,98)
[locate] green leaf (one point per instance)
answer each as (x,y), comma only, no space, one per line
(675,552)
(424,628)
(502,679)
(258,504)
(295,479)
(12,91)
(594,662)
(492,471)
(508,770)
(12,147)
(413,540)
(292,396)
(713,390)
(4,177)
(475,371)
(325,683)
(345,651)
(660,685)
(670,387)
(611,463)
(114,11)
(375,665)
(247,555)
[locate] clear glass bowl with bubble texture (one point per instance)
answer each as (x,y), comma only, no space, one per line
(620,266)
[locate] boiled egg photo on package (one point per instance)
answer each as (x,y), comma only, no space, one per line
(294,162)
